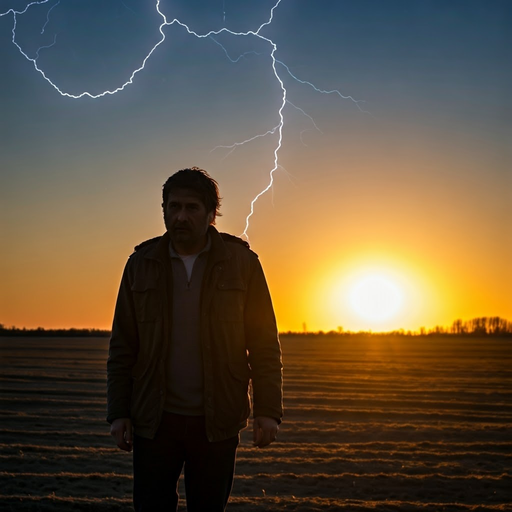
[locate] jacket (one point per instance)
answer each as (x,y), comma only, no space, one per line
(238,335)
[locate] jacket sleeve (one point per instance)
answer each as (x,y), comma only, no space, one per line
(123,351)
(264,349)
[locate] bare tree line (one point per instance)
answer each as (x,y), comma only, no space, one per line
(480,326)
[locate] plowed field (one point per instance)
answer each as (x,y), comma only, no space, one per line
(371,424)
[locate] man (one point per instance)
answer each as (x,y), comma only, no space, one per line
(193,325)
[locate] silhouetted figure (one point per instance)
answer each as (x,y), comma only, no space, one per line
(193,325)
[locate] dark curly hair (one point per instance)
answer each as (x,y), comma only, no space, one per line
(199,181)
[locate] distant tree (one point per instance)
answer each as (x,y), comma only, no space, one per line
(457,327)
(497,325)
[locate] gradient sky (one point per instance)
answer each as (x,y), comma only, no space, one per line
(414,184)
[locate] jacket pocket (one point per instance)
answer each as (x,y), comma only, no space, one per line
(140,368)
(145,402)
(230,299)
(147,301)
(239,371)
(232,404)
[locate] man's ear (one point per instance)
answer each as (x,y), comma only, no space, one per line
(211,217)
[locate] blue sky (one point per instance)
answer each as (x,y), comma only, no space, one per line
(81,178)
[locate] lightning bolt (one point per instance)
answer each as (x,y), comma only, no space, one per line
(277,129)
(48,17)
(334,91)
(309,117)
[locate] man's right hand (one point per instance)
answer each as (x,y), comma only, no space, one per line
(121,431)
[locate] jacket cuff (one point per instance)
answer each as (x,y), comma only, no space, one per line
(268,413)
(111,417)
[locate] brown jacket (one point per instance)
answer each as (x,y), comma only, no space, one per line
(239,339)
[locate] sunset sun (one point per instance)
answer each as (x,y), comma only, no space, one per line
(375,298)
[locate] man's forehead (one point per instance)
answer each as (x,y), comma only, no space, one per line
(184,195)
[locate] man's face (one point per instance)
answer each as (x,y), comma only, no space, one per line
(186,220)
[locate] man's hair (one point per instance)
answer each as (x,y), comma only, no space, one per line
(200,182)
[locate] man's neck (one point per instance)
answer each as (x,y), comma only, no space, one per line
(184,249)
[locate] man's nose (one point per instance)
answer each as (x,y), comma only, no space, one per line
(182,214)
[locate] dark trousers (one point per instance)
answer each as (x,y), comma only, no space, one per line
(181,442)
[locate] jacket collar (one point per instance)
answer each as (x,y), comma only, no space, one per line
(160,250)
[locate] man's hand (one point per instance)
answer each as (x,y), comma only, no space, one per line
(264,431)
(121,431)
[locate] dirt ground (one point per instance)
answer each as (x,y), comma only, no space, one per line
(371,424)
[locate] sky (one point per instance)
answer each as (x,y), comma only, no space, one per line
(391,203)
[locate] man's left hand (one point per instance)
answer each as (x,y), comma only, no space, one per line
(264,431)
